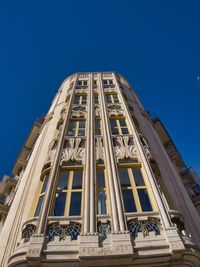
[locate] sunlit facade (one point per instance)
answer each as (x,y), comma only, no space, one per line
(98,188)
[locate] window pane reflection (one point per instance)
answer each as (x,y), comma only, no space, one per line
(75,207)
(129,203)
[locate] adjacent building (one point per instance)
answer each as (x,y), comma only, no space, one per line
(98,186)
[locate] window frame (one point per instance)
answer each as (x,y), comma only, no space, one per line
(77,128)
(118,126)
(112,99)
(134,189)
(69,191)
(81,100)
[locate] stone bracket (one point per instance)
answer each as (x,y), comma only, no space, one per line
(35,248)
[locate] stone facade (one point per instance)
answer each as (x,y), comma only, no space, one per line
(90,193)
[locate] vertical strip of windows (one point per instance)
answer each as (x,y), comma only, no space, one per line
(102,205)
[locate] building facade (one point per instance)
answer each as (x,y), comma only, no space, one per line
(98,187)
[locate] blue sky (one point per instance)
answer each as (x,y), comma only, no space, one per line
(155,44)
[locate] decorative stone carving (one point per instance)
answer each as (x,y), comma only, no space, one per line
(115,110)
(78,112)
(110,90)
(10,196)
(104,229)
(97,111)
(124,148)
(146,147)
(99,149)
(28,231)
(81,91)
(72,229)
(74,150)
(51,153)
(152,224)
(61,120)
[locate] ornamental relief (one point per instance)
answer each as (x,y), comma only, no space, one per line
(110,90)
(10,196)
(97,110)
(51,153)
(124,148)
(78,112)
(115,110)
(74,150)
(99,149)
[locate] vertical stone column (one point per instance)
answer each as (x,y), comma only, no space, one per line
(157,195)
(118,220)
(42,221)
(89,216)
(92,161)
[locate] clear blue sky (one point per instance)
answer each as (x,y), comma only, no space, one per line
(155,44)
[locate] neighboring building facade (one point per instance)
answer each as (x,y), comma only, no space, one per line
(99,188)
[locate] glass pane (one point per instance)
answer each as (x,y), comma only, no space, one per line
(114,127)
(96,99)
(81,132)
(122,123)
(144,200)
(77,180)
(63,180)
(82,124)
(60,204)
(39,205)
(84,82)
(75,207)
(116,99)
(79,82)
(71,128)
(139,181)
(102,204)
(108,99)
(100,179)
(97,127)
(124,130)
(124,177)
(76,99)
(129,203)
(45,183)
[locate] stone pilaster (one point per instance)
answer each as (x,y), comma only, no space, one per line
(118,220)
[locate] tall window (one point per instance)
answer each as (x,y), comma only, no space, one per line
(68,193)
(102,206)
(98,127)
(41,196)
(119,126)
(96,98)
(80,100)
(76,128)
(112,98)
(134,190)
